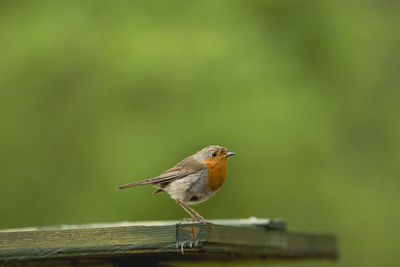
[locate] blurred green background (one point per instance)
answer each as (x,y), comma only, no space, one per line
(94,94)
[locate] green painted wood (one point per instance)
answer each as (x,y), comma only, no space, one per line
(128,242)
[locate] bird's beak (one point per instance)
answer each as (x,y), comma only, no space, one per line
(228,154)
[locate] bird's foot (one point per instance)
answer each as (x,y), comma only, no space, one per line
(202,220)
(198,220)
(188,219)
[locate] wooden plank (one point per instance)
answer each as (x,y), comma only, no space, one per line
(132,242)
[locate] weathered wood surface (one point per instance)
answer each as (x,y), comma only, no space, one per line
(126,243)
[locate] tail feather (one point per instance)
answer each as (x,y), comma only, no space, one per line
(159,179)
(131,184)
(158,191)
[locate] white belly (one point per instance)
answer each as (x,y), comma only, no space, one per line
(190,190)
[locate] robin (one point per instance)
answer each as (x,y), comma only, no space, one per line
(193,180)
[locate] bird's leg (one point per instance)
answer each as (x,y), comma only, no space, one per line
(190,210)
(195,212)
(199,217)
(186,209)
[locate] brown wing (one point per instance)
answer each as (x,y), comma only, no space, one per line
(182,169)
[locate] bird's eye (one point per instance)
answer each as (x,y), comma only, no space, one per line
(214,154)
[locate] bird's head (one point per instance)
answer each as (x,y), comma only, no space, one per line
(213,154)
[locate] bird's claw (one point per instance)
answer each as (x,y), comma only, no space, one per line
(181,245)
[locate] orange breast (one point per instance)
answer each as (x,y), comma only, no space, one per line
(216,172)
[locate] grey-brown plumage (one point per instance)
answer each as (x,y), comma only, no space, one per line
(180,170)
(193,180)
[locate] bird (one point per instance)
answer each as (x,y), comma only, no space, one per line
(193,180)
